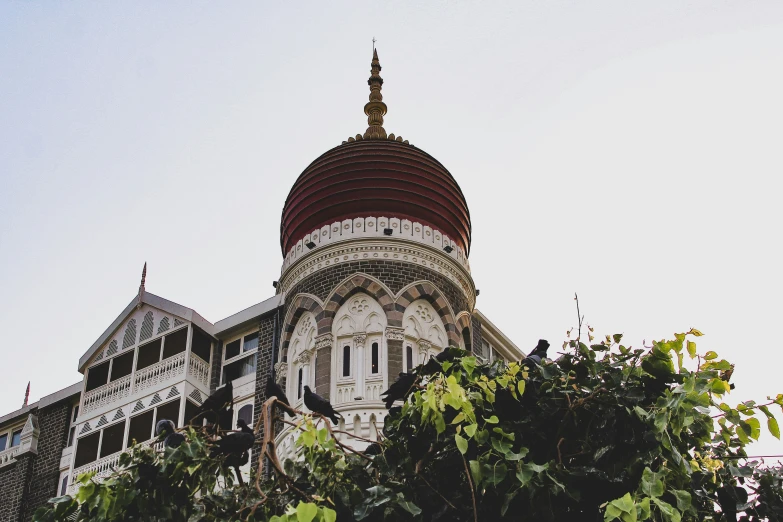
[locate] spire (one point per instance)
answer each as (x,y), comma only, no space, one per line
(375,108)
(141,286)
(26,394)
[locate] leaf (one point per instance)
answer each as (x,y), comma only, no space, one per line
(617,338)
(772,424)
(306,512)
(470,429)
(462,443)
(521,387)
(652,485)
(493,419)
(527,470)
(668,511)
(408,506)
(329,515)
(710,356)
(475,470)
(622,508)
(683,500)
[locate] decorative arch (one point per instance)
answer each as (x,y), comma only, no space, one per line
(302,348)
(359,283)
(430,293)
(301,304)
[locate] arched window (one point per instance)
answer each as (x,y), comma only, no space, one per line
(346,361)
(300,356)
(299,384)
(374,368)
(246,414)
(409,358)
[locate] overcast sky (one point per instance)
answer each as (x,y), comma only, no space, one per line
(627,151)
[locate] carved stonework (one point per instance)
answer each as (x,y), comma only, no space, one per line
(323,341)
(424,345)
(281,369)
(304,357)
(29,437)
(395,334)
(359,339)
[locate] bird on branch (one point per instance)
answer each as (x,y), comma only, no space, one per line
(274,390)
(400,389)
(166,430)
(538,353)
(218,407)
(318,404)
(235,446)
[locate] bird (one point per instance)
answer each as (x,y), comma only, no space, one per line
(373,449)
(274,390)
(728,498)
(235,447)
(166,430)
(318,404)
(538,353)
(400,389)
(216,404)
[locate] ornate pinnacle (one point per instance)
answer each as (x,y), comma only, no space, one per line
(375,108)
(142,288)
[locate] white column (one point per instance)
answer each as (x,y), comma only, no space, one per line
(358,341)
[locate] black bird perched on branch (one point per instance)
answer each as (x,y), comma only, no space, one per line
(373,449)
(729,499)
(166,430)
(217,406)
(235,447)
(318,404)
(538,353)
(400,389)
(274,390)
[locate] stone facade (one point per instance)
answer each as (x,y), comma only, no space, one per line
(264,366)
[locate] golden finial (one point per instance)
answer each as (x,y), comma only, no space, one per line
(375,108)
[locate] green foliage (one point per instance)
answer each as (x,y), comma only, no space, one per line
(605,432)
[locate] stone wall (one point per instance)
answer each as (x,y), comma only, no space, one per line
(13,484)
(266,336)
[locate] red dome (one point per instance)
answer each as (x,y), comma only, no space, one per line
(377,178)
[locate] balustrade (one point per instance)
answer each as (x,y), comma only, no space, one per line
(159,372)
(107,393)
(7,456)
(199,369)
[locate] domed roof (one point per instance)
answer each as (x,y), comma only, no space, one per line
(375,175)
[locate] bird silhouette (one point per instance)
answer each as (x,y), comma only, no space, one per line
(274,390)
(538,353)
(166,430)
(373,449)
(235,447)
(318,404)
(400,389)
(217,406)
(728,498)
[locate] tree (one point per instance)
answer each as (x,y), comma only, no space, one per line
(604,432)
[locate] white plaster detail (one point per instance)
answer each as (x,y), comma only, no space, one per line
(323,341)
(29,437)
(281,370)
(395,334)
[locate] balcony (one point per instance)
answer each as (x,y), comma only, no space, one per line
(105,466)
(159,372)
(106,394)
(199,369)
(8,456)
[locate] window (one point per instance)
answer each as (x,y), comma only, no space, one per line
(485,352)
(86,449)
(175,343)
(16,438)
(201,344)
(112,439)
(121,366)
(250,343)
(466,339)
(239,368)
(64,485)
(97,376)
(299,385)
(149,354)
(169,411)
(75,412)
(409,358)
(71,435)
(190,412)
(374,360)
(246,414)
(346,361)
(140,428)
(3,441)
(232,349)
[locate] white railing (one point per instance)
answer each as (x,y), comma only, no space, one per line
(345,393)
(106,394)
(7,456)
(199,369)
(373,390)
(159,372)
(104,467)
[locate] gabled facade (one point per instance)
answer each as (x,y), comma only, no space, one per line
(375,279)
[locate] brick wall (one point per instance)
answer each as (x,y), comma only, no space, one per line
(217,361)
(13,484)
(323,372)
(476,338)
(53,422)
(263,367)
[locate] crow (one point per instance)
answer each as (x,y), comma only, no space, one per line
(274,390)
(214,407)
(538,353)
(235,447)
(400,389)
(166,430)
(728,498)
(373,449)
(318,404)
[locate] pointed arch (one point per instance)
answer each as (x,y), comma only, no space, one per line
(360,282)
(430,293)
(300,304)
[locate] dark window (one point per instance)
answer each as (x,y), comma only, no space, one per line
(175,343)
(170,411)
(97,376)
(3,441)
(232,349)
(86,449)
(16,438)
(346,361)
(75,412)
(374,360)
(239,368)
(71,435)
(140,428)
(201,344)
(409,357)
(112,439)
(64,485)
(299,385)
(466,339)
(190,412)
(121,366)
(149,354)
(246,413)
(251,342)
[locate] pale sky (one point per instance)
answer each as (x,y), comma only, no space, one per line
(627,151)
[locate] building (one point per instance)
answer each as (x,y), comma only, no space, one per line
(375,237)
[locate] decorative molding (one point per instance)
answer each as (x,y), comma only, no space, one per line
(374,227)
(323,341)
(359,339)
(374,249)
(424,345)
(281,370)
(29,436)
(395,334)
(304,357)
